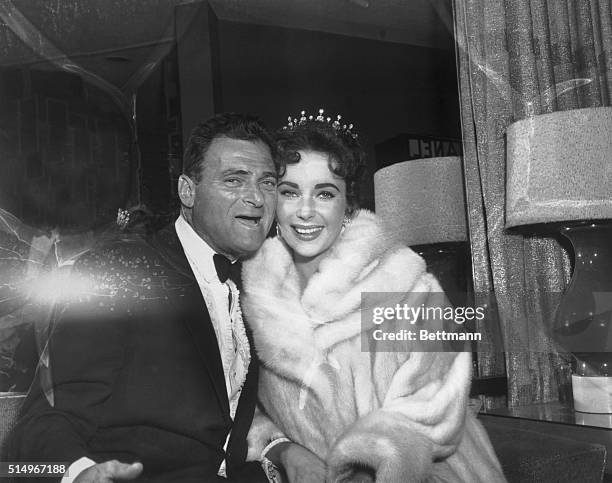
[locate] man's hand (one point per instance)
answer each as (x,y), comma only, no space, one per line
(300,465)
(109,472)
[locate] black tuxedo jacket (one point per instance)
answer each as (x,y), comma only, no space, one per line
(137,374)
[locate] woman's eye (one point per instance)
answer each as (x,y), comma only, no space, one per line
(326,195)
(288,193)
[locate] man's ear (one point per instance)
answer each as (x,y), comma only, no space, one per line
(186,190)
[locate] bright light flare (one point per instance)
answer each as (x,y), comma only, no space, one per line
(60,285)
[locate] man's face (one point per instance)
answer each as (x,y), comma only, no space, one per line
(233,204)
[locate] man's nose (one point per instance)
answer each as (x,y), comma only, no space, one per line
(253,195)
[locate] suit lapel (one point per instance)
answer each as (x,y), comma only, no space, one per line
(237,445)
(194,312)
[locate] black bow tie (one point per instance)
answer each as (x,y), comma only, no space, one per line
(225,268)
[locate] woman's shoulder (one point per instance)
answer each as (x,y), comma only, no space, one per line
(373,241)
(369,228)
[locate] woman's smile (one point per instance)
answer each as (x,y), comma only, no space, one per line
(307,232)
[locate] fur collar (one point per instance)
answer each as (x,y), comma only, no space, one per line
(365,258)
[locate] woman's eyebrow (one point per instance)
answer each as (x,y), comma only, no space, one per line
(326,185)
(288,183)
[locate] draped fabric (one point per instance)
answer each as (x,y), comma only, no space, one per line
(516,59)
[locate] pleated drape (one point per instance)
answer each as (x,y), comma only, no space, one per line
(516,59)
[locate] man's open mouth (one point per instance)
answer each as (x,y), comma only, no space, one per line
(249,220)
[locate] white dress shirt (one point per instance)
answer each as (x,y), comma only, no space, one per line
(227,323)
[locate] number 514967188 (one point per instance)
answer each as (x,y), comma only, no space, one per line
(31,468)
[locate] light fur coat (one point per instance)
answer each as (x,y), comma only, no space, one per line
(404,414)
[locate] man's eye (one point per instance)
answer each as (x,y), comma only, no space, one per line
(326,195)
(269,183)
(232,181)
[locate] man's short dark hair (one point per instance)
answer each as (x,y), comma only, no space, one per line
(230,125)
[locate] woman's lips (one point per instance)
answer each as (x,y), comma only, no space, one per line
(307,232)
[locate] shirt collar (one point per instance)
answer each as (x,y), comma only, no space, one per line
(197,250)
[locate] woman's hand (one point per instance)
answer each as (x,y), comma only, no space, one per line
(299,464)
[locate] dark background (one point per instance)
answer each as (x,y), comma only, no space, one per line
(69,158)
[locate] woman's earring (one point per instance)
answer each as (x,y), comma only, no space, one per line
(346,221)
(278,232)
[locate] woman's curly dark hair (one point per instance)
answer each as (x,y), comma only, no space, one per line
(346,156)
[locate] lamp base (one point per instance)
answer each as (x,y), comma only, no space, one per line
(584,317)
(592,394)
(450,263)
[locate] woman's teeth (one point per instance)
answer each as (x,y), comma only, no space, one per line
(308,231)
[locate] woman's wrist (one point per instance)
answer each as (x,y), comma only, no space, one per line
(271,459)
(277,454)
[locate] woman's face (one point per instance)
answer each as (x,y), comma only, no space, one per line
(311,205)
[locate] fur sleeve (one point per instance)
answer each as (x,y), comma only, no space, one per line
(420,420)
(401,440)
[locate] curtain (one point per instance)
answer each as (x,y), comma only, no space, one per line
(519,58)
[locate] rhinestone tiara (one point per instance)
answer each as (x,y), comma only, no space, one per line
(346,129)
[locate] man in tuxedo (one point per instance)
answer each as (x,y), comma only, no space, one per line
(154,373)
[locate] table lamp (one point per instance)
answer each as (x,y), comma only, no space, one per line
(559,179)
(423,202)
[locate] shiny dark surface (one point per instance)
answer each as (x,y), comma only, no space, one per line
(554,412)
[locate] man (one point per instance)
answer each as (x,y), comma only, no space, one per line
(154,376)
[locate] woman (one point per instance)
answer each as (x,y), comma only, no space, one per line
(398,416)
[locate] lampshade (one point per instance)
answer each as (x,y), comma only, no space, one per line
(559,167)
(423,200)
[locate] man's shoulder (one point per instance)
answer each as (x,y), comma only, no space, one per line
(132,251)
(134,266)
(127,251)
